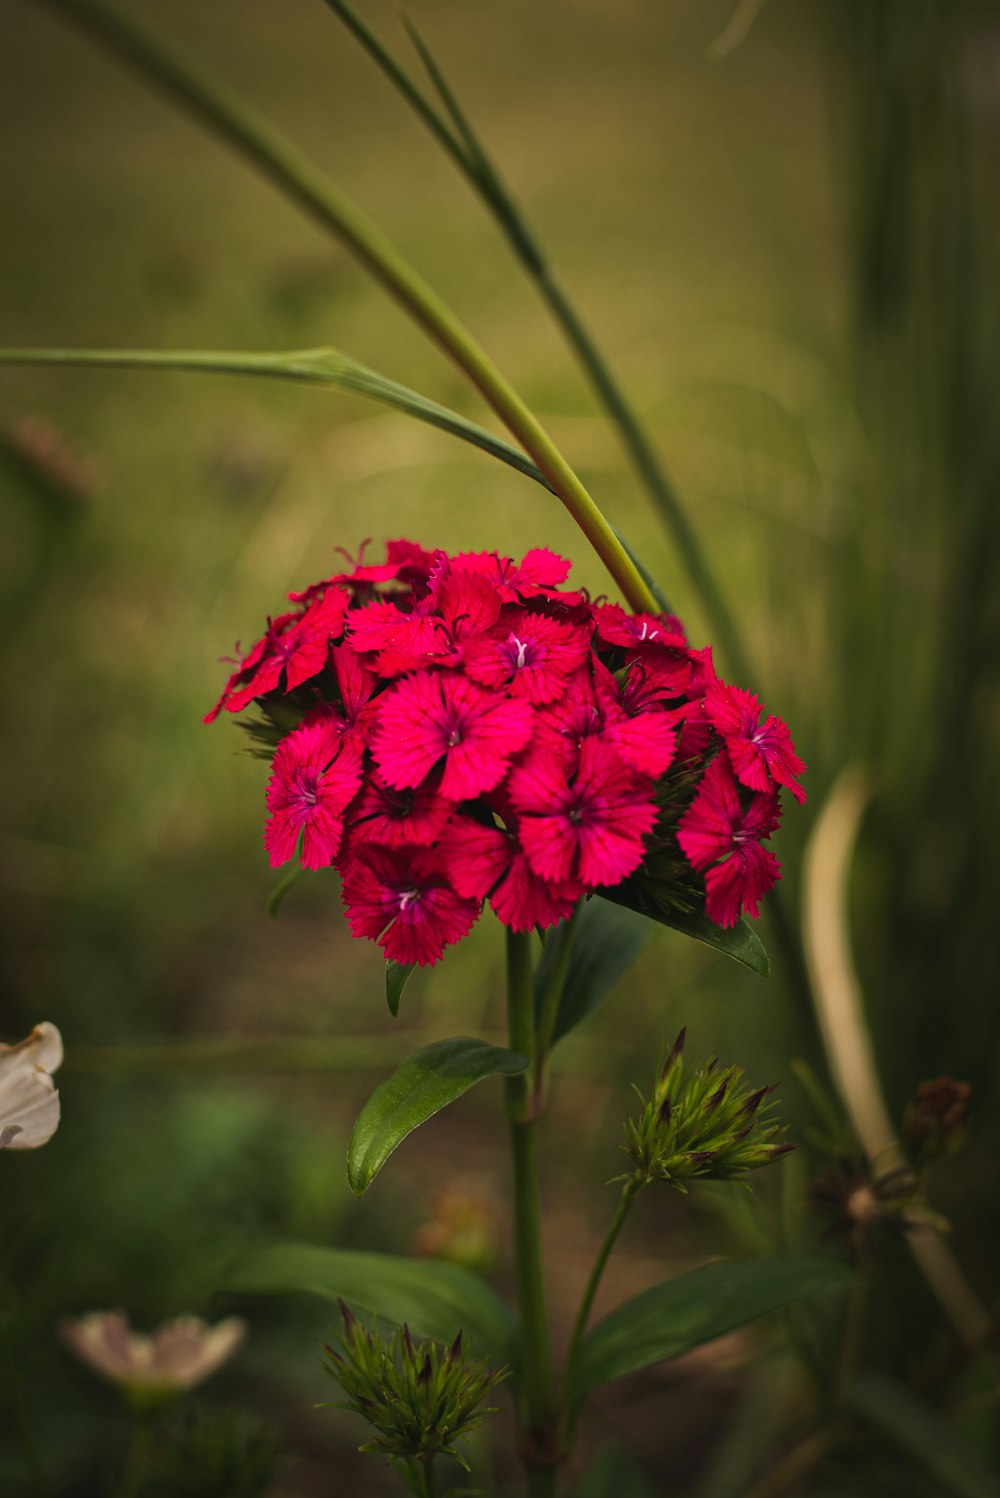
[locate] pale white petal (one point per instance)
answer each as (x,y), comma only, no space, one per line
(187,1350)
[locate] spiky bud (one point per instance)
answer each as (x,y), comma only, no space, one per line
(701,1123)
(419,1397)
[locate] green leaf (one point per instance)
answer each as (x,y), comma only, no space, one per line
(420,1086)
(683,1313)
(606,940)
(396,974)
(318,366)
(913,1427)
(740,942)
(434,1299)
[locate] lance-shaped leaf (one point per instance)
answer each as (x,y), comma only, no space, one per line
(740,942)
(396,975)
(420,1086)
(434,1299)
(683,1313)
(316,366)
(605,940)
(912,1426)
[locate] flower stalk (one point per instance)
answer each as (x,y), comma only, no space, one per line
(538,1414)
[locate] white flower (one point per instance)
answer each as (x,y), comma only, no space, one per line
(153,1369)
(29,1102)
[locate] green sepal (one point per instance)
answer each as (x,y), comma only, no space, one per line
(434,1299)
(683,1313)
(420,1086)
(396,975)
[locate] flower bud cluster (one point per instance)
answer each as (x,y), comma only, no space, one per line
(447,730)
(419,1398)
(702,1124)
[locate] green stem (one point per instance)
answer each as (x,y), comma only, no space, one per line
(539,1444)
(168,67)
(630,1191)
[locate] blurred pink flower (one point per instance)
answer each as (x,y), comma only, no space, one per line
(156,1368)
(29,1102)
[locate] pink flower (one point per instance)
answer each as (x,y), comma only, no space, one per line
(589,828)
(761,753)
(404,900)
(293,650)
(439,717)
(630,630)
(716,827)
(313,780)
(398,818)
(538,575)
(485,861)
(529,654)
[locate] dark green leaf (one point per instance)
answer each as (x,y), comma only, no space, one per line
(740,942)
(396,974)
(420,1086)
(672,1318)
(433,1298)
(318,366)
(913,1427)
(606,940)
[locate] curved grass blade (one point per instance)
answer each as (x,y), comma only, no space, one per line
(420,1086)
(473,161)
(435,1299)
(683,1313)
(316,366)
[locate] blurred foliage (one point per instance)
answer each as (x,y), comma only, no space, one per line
(790,256)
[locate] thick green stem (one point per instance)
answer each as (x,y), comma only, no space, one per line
(630,1191)
(226,114)
(540,1444)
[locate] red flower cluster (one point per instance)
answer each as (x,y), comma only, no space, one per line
(467,729)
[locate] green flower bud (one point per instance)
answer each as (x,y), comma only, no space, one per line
(701,1124)
(419,1398)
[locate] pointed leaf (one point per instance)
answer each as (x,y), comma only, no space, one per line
(740,942)
(319,366)
(911,1425)
(606,940)
(396,974)
(683,1313)
(421,1086)
(435,1299)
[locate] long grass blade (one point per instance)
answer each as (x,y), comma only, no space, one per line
(317,366)
(472,159)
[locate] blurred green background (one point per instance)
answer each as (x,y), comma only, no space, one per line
(786,243)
